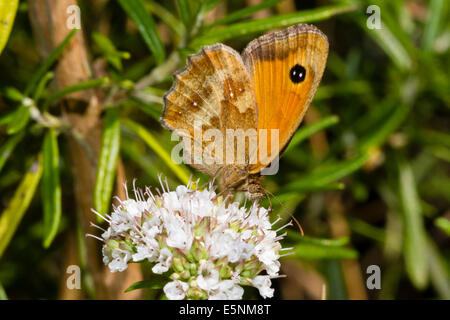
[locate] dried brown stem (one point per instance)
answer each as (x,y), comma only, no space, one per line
(82,110)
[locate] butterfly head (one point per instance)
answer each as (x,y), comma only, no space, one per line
(253,187)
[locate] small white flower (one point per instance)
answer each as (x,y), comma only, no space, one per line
(145,251)
(176,290)
(164,261)
(227,290)
(263,284)
(179,233)
(208,276)
(119,260)
(267,252)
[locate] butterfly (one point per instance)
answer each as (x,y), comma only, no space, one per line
(267,88)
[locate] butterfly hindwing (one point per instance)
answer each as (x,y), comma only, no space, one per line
(214,92)
(285,67)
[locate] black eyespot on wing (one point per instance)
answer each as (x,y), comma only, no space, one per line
(297,73)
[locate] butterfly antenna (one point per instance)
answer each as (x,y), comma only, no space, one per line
(298,225)
(291,213)
(268,197)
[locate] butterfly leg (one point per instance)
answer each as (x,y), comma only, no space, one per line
(212,179)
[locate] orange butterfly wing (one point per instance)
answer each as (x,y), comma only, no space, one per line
(285,68)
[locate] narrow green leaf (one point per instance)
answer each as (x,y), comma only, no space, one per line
(317,251)
(109,51)
(8,11)
(436,14)
(363,228)
(387,40)
(439,272)
(414,240)
(210,4)
(51,188)
(3,295)
(41,85)
(386,127)
(273,22)
(339,242)
(443,224)
(8,147)
(13,94)
(309,130)
(168,18)
(146,26)
(155,282)
(323,176)
(435,137)
(84,85)
(336,287)
(107,162)
(48,63)
(184,11)
(19,120)
(240,14)
(439,152)
(19,203)
(153,143)
(7,118)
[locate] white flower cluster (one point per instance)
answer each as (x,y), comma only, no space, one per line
(208,249)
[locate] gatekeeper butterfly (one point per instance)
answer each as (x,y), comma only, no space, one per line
(267,88)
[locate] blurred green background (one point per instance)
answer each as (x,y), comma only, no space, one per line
(367,174)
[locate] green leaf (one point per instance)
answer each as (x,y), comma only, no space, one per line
(3,295)
(8,11)
(363,228)
(210,4)
(146,26)
(8,147)
(155,282)
(320,248)
(42,84)
(19,120)
(240,14)
(84,85)
(436,14)
(168,18)
(154,144)
(387,40)
(7,118)
(309,130)
(414,240)
(48,63)
(439,272)
(336,287)
(305,250)
(339,242)
(325,175)
(13,94)
(273,22)
(107,162)
(184,11)
(385,128)
(109,51)
(19,203)
(435,137)
(51,188)
(443,224)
